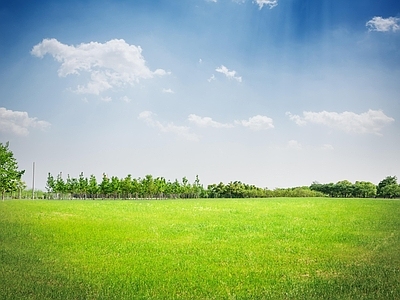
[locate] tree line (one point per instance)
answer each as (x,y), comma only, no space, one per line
(387,188)
(150,187)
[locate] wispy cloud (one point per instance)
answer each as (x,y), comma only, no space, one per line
(112,64)
(382,24)
(254,123)
(211,78)
(327,147)
(293,144)
(270,3)
(230,74)
(371,121)
(149,118)
(126,99)
(19,122)
(295,118)
(168,91)
(106,99)
(257,123)
(207,122)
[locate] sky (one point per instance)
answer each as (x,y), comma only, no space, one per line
(275,93)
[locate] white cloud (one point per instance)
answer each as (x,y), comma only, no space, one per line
(126,99)
(371,121)
(207,122)
(382,24)
(182,131)
(270,3)
(295,118)
(106,99)
(230,74)
(327,147)
(18,122)
(168,91)
(112,64)
(211,78)
(257,123)
(293,144)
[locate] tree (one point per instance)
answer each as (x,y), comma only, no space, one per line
(50,185)
(93,187)
(391,191)
(9,173)
(83,185)
(105,186)
(344,188)
(364,189)
(389,180)
(60,186)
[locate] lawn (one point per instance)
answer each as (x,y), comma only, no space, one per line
(281,248)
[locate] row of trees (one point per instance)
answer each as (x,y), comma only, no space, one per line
(127,188)
(150,187)
(387,188)
(160,188)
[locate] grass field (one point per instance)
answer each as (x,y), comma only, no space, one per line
(283,248)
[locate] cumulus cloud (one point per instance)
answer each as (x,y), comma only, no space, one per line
(382,24)
(211,78)
(230,74)
(371,121)
(207,122)
(111,64)
(257,123)
(270,3)
(19,122)
(149,118)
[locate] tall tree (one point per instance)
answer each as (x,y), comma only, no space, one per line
(93,187)
(389,180)
(9,173)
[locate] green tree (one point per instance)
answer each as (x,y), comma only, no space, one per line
(50,185)
(344,188)
(391,191)
(115,186)
(83,185)
(105,186)
(93,187)
(60,187)
(9,173)
(364,189)
(126,186)
(389,180)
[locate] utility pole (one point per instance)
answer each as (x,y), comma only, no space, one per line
(33,181)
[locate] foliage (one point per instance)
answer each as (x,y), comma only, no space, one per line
(10,177)
(388,188)
(345,189)
(150,187)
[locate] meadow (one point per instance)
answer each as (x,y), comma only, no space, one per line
(279,248)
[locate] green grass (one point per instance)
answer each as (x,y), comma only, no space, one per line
(312,248)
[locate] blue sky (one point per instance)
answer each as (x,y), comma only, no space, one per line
(272,93)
